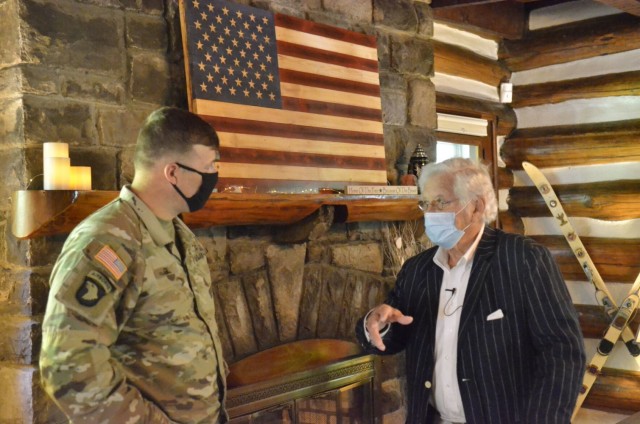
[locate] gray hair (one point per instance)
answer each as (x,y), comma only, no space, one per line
(471,180)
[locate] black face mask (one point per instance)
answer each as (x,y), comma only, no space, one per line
(198,200)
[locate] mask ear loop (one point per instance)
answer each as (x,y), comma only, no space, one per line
(465,228)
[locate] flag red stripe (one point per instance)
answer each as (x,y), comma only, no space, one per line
(310,53)
(230,154)
(246,126)
(324,30)
(313,80)
(312,106)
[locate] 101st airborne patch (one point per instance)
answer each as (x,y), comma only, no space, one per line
(94,287)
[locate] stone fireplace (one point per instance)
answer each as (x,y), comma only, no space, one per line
(87,72)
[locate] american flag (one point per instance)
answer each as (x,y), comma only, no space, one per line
(296,104)
(107,257)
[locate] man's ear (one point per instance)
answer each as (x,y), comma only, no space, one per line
(480,206)
(170,171)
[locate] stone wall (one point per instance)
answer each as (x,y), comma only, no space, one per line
(87,72)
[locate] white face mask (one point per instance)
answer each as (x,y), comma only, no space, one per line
(441,228)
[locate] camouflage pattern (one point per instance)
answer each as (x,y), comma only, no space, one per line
(129,334)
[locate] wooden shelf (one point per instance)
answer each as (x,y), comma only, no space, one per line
(37,213)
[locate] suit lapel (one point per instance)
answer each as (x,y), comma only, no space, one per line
(481,264)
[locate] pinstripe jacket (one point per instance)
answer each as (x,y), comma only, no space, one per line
(524,368)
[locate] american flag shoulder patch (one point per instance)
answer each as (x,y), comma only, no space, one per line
(111,261)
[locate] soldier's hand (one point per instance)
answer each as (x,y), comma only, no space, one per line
(381,316)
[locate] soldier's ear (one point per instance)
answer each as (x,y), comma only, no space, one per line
(170,171)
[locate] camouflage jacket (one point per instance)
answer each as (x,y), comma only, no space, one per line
(129,334)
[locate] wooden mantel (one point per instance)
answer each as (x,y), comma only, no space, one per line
(38,213)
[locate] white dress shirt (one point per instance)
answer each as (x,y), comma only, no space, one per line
(446,392)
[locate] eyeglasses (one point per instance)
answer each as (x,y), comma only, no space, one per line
(437,203)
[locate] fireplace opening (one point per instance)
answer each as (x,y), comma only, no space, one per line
(319,381)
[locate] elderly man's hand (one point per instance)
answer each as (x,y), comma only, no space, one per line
(381,316)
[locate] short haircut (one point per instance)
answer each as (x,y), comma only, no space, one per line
(171,130)
(471,180)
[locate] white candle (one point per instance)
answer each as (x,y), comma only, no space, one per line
(55,150)
(80,178)
(56,173)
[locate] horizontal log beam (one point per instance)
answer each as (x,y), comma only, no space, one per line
(571,42)
(628,6)
(609,200)
(451,103)
(440,4)
(610,85)
(594,321)
(44,213)
(573,145)
(510,222)
(505,178)
(503,19)
(615,390)
(459,62)
(617,260)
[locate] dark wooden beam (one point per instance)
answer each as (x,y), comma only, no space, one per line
(594,321)
(505,178)
(456,61)
(631,7)
(609,85)
(617,260)
(510,222)
(615,390)
(610,200)
(505,19)
(588,144)
(571,42)
(440,4)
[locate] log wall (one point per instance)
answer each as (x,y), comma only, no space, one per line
(575,97)
(576,115)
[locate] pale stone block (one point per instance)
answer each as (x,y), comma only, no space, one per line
(285,265)
(365,256)
(237,316)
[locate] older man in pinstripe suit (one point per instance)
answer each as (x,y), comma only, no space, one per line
(490,333)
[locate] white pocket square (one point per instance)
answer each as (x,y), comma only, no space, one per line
(497,314)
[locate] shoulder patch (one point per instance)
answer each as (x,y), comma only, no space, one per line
(111,261)
(94,287)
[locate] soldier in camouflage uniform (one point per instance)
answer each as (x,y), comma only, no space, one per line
(129,334)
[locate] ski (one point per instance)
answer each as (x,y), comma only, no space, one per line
(614,331)
(619,316)
(577,247)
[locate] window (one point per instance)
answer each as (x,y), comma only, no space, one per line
(464,136)
(446,150)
